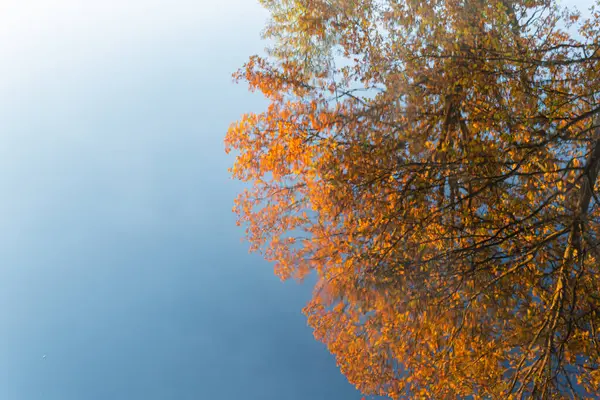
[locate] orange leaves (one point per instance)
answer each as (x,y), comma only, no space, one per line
(437,205)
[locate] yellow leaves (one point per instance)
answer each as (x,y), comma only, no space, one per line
(433,230)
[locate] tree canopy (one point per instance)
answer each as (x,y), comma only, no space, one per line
(434,163)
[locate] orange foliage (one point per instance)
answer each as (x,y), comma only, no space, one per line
(440,181)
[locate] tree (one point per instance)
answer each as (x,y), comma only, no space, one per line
(435,164)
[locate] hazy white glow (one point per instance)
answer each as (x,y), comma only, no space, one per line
(23,21)
(38,34)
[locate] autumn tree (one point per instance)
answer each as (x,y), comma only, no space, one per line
(434,163)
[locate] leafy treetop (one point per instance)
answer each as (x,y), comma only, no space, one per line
(434,162)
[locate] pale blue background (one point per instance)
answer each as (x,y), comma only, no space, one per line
(119,255)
